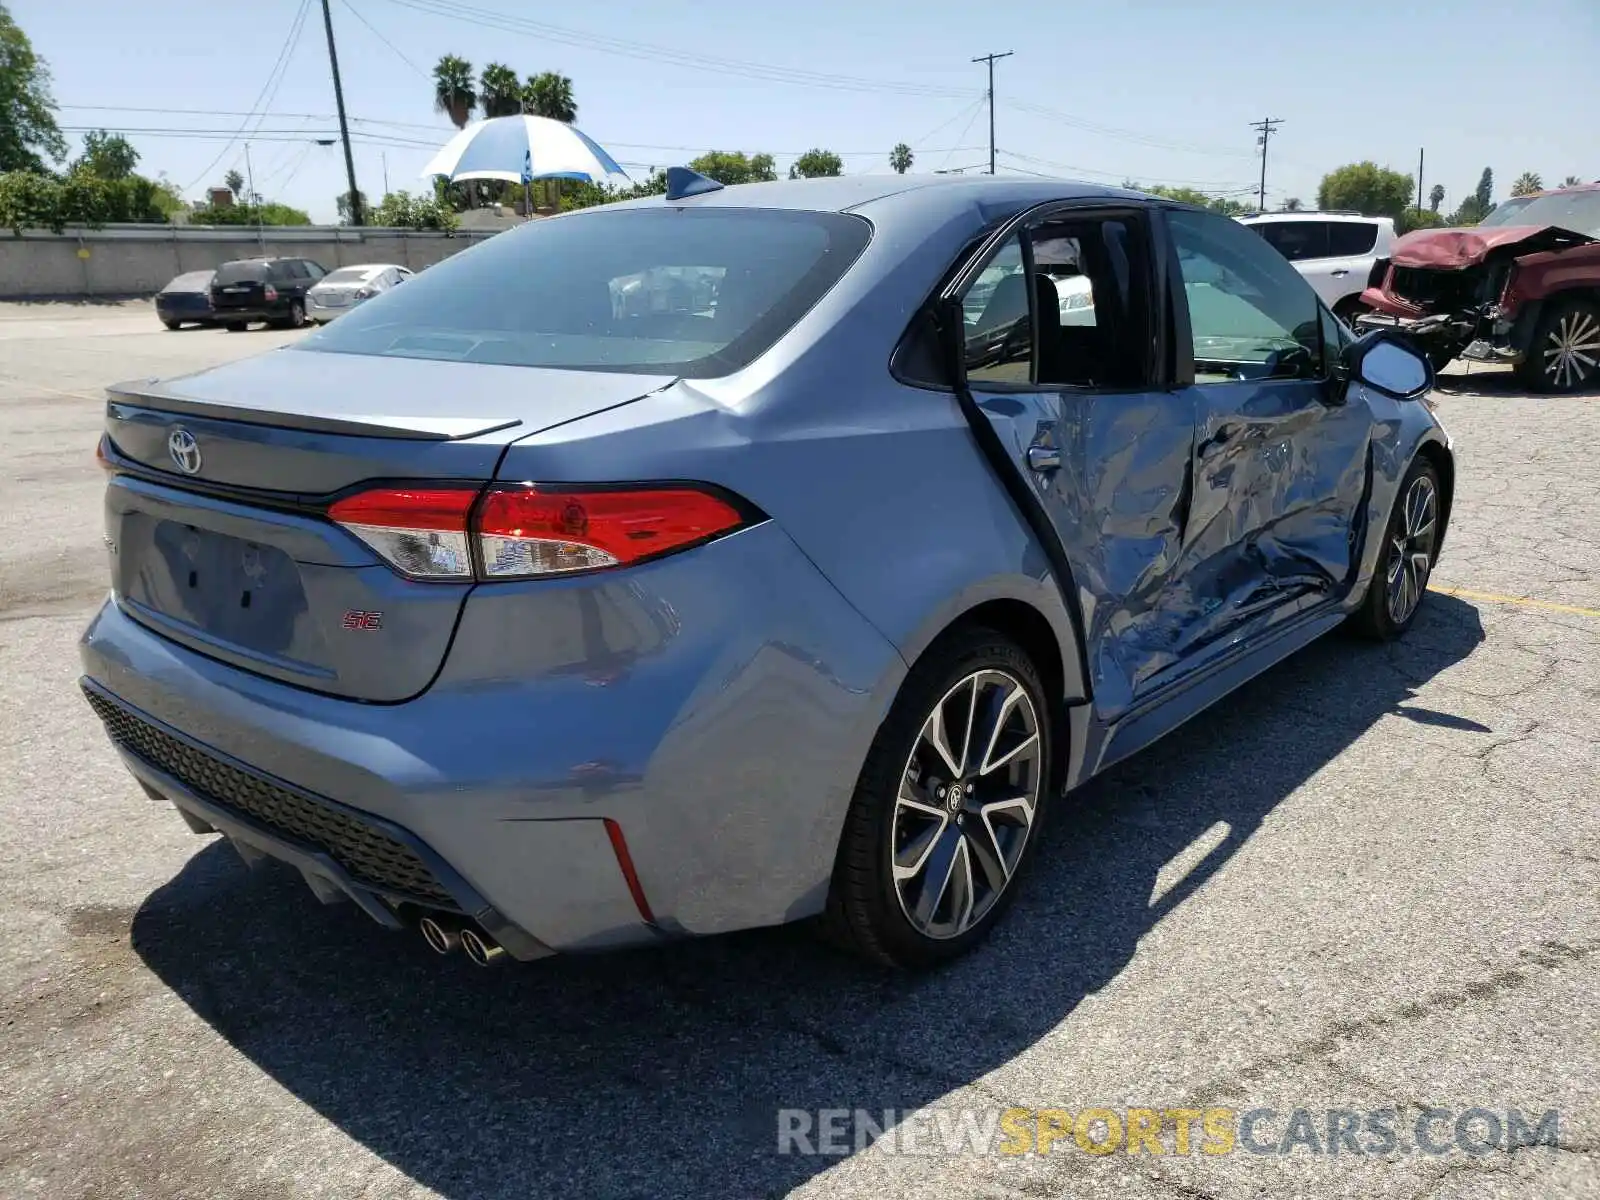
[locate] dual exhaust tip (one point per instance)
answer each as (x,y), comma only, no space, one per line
(445,936)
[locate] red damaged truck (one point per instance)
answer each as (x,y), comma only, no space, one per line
(1522,287)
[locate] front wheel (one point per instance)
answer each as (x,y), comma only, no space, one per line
(947,808)
(1565,354)
(1410,548)
(297,315)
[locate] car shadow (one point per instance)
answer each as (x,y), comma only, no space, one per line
(1469,379)
(661,1073)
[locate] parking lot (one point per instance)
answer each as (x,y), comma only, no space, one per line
(1369,880)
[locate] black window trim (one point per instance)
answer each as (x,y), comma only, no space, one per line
(970,263)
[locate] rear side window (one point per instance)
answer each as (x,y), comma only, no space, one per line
(694,292)
(346,275)
(1346,239)
(240,272)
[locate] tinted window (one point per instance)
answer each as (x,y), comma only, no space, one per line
(347,275)
(1346,239)
(240,272)
(1251,314)
(293,268)
(313,269)
(999,326)
(694,292)
(194,281)
(1578,210)
(1295,240)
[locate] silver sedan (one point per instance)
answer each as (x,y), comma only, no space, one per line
(349,286)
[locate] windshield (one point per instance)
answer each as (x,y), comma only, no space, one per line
(239,272)
(694,292)
(1575,210)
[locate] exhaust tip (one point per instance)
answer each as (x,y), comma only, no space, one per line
(481,948)
(441,937)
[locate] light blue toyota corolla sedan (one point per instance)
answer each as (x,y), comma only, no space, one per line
(745,555)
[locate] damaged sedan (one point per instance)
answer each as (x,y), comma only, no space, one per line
(1521,288)
(537,622)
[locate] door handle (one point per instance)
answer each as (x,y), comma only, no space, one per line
(1044,458)
(1339,272)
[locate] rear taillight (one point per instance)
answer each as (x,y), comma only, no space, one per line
(523,531)
(421,531)
(271,293)
(100,455)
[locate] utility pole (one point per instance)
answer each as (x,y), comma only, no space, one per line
(384,154)
(1420,154)
(989,58)
(356,215)
(1267,126)
(255,200)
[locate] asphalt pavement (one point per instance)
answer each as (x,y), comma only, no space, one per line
(1369,882)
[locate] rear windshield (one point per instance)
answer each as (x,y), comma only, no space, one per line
(694,292)
(348,275)
(194,281)
(239,272)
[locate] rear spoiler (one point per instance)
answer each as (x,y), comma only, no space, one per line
(150,394)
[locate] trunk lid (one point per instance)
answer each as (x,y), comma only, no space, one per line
(1451,249)
(215,510)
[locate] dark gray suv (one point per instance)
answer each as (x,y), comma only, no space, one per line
(263,289)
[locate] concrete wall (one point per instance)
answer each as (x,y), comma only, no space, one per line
(137,260)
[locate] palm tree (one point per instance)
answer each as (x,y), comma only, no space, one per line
(1571,181)
(549,94)
(452,89)
(235,182)
(1527,184)
(1436,196)
(500,91)
(900,159)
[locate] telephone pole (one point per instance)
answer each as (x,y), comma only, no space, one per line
(356,215)
(988,58)
(1267,127)
(1421,156)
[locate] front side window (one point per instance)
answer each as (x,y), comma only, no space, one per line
(690,292)
(1295,240)
(1251,314)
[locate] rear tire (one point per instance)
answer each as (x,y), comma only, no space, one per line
(297,315)
(173,325)
(941,827)
(1568,333)
(1405,563)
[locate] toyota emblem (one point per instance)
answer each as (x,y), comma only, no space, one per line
(185,451)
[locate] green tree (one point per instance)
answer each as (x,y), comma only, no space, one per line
(1366,188)
(269,213)
(341,204)
(1484,194)
(235,182)
(1227,206)
(453,93)
(1418,218)
(1292,204)
(28,127)
(549,94)
(1527,184)
(1571,181)
(1435,197)
(900,159)
(815,164)
(734,167)
(107,155)
(500,91)
(401,210)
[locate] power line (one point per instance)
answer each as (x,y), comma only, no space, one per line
(976,110)
(373,29)
(1125,135)
(1081,170)
(990,59)
(278,66)
(1267,126)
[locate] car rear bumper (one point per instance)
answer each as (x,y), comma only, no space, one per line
(224,315)
(724,756)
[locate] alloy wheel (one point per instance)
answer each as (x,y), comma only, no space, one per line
(1411,549)
(1573,352)
(966,803)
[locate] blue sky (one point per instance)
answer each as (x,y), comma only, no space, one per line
(1155,90)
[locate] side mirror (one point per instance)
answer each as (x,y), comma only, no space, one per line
(1388,362)
(949,324)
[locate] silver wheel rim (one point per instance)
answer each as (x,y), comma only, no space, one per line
(1411,550)
(966,804)
(1573,349)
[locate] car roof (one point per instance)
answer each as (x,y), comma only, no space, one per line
(847,193)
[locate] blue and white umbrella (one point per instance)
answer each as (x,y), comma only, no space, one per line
(522,148)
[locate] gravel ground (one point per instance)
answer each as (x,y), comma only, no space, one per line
(1368,881)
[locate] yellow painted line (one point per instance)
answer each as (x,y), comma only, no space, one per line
(1519,601)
